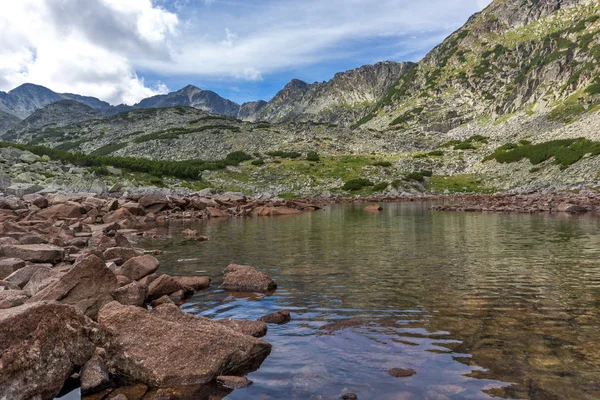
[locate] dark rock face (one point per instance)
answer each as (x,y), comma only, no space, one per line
(166,347)
(88,286)
(38,353)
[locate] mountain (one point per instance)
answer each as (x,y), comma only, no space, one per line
(192,96)
(344,99)
(25,99)
(58,114)
(514,56)
(8,121)
(250,109)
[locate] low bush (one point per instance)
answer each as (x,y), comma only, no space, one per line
(312,156)
(382,164)
(284,154)
(357,184)
(464,146)
(380,187)
(260,161)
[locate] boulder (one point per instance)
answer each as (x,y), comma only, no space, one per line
(12,298)
(37,253)
(41,345)
(160,301)
(195,282)
(132,294)
(165,285)
(373,208)
(122,253)
(41,279)
(118,215)
(88,286)
(10,265)
(154,200)
(401,372)
(66,210)
(280,317)
(571,208)
(5,285)
(94,374)
(22,276)
(251,328)
(245,278)
(138,267)
(215,212)
(166,347)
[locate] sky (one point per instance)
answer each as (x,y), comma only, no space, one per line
(122,51)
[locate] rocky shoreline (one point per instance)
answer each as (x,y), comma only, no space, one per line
(80,303)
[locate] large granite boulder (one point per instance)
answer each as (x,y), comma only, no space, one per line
(195,282)
(41,344)
(12,298)
(87,286)
(166,347)
(165,285)
(138,267)
(66,210)
(37,253)
(133,294)
(245,278)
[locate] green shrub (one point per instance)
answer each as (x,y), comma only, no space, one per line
(534,170)
(106,150)
(566,152)
(451,143)
(382,164)
(357,184)
(259,161)
(477,138)
(397,183)
(284,154)
(312,156)
(380,187)
(427,173)
(524,142)
(464,146)
(238,156)
(415,176)
(593,89)
(436,153)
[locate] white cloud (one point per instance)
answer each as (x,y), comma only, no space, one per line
(98,47)
(83,46)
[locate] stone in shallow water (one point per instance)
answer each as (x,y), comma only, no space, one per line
(280,317)
(401,373)
(166,347)
(245,278)
(234,382)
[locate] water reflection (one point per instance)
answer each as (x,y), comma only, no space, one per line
(479,305)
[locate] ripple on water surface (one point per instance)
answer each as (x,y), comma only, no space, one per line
(479,305)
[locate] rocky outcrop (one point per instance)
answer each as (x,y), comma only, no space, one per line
(166,347)
(192,96)
(38,352)
(245,278)
(343,100)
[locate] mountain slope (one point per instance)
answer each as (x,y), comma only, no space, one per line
(58,114)
(192,96)
(8,121)
(22,101)
(344,99)
(515,56)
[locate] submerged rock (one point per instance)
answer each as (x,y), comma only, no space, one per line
(245,278)
(280,317)
(253,328)
(166,347)
(234,382)
(195,282)
(41,345)
(401,373)
(373,208)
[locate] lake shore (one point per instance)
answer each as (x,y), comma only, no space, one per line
(73,256)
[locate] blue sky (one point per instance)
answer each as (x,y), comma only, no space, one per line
(122,51)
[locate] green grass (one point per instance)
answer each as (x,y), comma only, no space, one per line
(109,149)
(565,152)
(384,164)
(463,183)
